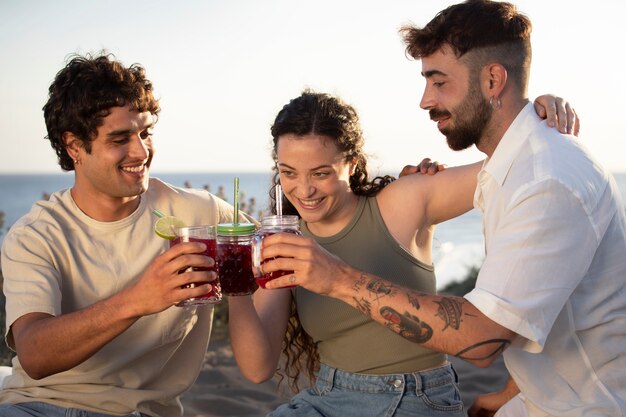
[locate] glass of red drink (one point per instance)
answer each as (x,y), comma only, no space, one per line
(234,258)
(269,226)
(204,234)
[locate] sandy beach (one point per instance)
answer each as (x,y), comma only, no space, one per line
(221,390)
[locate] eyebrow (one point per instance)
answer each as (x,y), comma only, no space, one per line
(312,169)
(118,133)
(430,73)
(122,132)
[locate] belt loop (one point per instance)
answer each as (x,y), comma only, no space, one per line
(418,383)
(456,376)
(328,379)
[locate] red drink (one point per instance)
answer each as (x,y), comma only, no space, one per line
(234,258)
(269,226)
(235,265)
(215,294)
(268,276)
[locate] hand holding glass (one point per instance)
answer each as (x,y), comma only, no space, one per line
(269,226)
(206,235)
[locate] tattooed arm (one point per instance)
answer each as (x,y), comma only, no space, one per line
(443,323)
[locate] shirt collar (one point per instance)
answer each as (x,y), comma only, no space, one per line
(499,164)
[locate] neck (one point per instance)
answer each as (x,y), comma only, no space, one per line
(500,122)
(105,209)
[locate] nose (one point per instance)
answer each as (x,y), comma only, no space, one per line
(427,102)
(304,187)
(140,148)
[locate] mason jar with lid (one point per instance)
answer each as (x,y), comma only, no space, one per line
(269,226)
(234,258)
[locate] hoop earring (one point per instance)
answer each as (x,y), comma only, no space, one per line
(495,102)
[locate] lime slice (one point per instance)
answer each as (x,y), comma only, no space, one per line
(165,227)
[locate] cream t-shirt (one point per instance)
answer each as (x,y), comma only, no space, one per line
(57,260)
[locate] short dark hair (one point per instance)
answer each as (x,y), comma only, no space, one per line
(481,31)
(83,94)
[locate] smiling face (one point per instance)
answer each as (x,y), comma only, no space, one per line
(315,176)
(116,171)
(454,99)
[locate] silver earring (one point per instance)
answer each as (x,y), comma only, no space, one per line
(495,102)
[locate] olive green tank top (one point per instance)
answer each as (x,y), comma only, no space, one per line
(346,338)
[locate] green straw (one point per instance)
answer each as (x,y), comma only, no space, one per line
(236,204)
(158,213)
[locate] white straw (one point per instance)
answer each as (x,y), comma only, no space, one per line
(279,200)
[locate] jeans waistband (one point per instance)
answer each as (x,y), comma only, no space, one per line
(73,412)
(329,377)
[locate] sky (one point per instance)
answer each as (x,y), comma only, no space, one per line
(223,69)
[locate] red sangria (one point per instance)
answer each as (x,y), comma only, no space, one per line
(234,258)
(269,226)
(206,235)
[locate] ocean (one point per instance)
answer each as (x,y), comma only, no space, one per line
(458,243)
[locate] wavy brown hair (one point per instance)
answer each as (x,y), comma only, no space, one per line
(83,93)
(325,115)
(481,31)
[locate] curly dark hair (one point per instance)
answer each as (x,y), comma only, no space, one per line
(480,31)
(322,114)
(83,93)
(325,115)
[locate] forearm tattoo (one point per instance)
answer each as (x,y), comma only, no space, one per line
(363,306)
(410,327)
(359,283)
(450,312)
(406,325)
(378,288)
(498,344)
(413,300)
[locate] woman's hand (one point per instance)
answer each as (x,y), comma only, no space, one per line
(313,267)
(558,112)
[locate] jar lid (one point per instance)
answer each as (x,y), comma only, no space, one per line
(275,220)
(232,229)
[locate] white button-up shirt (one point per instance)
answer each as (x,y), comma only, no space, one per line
(555,270)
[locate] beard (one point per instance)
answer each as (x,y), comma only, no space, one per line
(470,118)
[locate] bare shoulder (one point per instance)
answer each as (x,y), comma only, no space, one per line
(408,189)
(402,204)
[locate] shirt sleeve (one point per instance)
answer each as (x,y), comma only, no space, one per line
(539,252)
(31,282)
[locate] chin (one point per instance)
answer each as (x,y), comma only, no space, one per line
(137,190)
(310,218)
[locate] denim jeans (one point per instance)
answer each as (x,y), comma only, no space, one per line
(41,409)
(432,393)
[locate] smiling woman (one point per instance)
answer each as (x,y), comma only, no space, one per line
(383,225)
(316,181)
